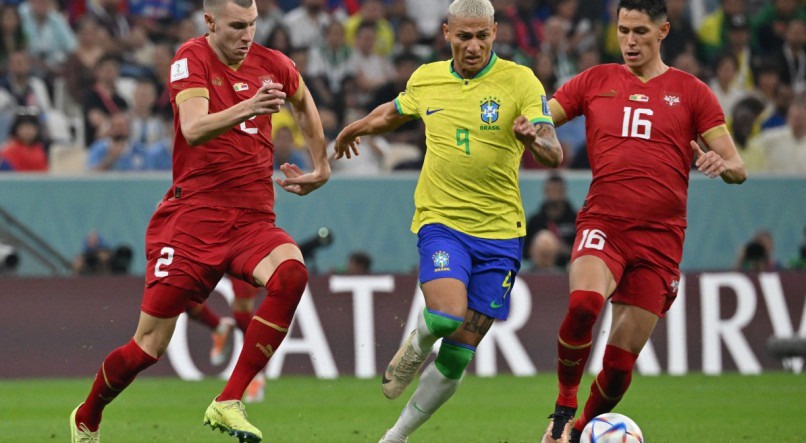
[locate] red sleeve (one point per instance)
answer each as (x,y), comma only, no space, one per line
(188,70)
(571,95)
(708,111)
(291,73)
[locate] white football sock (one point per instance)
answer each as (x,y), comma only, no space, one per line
(423,340)
(432,392)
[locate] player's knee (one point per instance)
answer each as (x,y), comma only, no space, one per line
(441,324)
(585,306)
(453,358)
(289,279)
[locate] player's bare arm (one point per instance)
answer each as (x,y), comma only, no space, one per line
(307,117)
(382,119)
(199,126)
(540,139)
(721,160)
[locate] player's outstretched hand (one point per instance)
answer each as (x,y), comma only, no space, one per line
(298,182)
(709,163)
(267,100)
(346,144)
(524,130)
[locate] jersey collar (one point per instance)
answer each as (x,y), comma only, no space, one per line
(481,73)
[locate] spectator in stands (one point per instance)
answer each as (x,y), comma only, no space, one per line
(407,41)
(544,253)
(287,151)
(770,25)
(146,126)
(526,23)
(758,254)
(738,43)
(102,100)
(799,263)
(359,263)
(777,115)
(328,66)
(116,151)
(688,62)
(371,69)
(557,45)
(160,71)
(50,38)
(682,37)
(79,66)
(713,29)
(280,40)
(543,67)
(557,215)
(25,88)
(768,79)
(159,154)
(743,126)
(429,24)
(12,36)
(141,52)
(373,11)
(506,45)
(112,16)
(306,24)
(725,84)
(784,148)
(579,29)
(372,158)
(269,16)
(791,55)
(25,149)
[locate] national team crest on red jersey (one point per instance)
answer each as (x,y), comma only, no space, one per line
(672,100)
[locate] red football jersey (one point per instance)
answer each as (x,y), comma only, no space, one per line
(638,138)
(235,168)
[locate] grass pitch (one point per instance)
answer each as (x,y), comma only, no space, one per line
(693,408)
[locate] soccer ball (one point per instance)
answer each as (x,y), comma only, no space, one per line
(611,428)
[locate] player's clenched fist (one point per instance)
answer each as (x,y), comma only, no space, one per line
(524,130)
(268,99)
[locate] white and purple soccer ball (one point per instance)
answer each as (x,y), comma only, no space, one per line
(611,428)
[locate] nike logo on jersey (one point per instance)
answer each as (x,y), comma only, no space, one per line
(430,111)
(611,93)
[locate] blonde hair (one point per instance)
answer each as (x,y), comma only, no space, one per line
(471,9)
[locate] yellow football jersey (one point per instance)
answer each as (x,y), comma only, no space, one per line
(469,181)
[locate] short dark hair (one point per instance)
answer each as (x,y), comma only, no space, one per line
(655,9)
(210,5)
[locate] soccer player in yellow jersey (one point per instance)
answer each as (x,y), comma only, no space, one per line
(480,112)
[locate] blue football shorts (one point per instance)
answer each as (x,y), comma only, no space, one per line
(487,267)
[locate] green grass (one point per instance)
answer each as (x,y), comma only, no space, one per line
(694,408)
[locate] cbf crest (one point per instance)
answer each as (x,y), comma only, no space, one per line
(489,109)
(441,261)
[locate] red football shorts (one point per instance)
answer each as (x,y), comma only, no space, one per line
(243,289)
(190,247)
(643,258)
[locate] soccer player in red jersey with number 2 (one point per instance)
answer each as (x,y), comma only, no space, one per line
(641,119)
(218,217)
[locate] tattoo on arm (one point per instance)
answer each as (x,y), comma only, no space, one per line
(478,323)
(546,137)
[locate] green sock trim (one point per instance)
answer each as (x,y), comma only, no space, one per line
(441,324)
(452,360)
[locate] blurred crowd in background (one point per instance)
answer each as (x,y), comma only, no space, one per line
(83,82)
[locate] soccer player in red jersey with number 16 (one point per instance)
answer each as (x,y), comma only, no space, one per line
(642,120)
(218,216)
